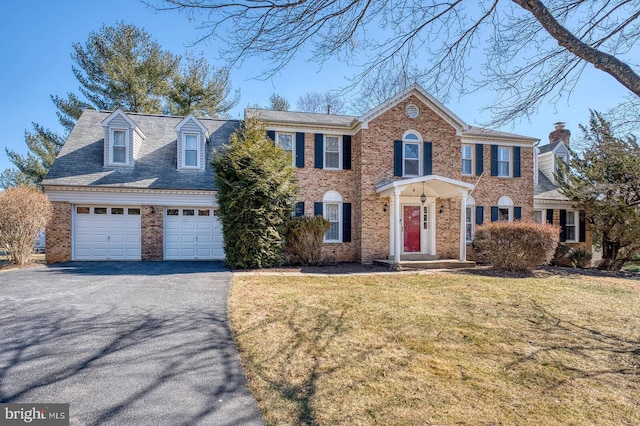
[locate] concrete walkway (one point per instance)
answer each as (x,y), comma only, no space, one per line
(125,343)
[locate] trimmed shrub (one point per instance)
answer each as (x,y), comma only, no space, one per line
(516,246)
(303,240)
(24,213)
(580,257)
(561,256)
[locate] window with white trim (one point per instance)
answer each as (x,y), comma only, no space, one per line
(505,209)
(537,216)
(119,146)
(467,160)
(332,211)
(191,150)
(504,161)
(285,141)
(332,152)
(469,218)
(571,226)
(411,160)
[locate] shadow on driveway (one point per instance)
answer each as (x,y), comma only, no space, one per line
(137,346)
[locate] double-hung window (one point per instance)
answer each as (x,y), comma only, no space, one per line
(190,150)
(504,158)
(332,152)
(332,214)
(411,159)
(467,160)
(570,226)
(119,146)
(285,141)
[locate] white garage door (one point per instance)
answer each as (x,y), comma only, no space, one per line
(192,233)
(106,233)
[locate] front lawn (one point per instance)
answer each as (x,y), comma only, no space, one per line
(450,349)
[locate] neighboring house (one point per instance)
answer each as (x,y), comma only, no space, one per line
(407,179)
(550,206)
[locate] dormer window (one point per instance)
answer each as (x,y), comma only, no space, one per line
(192,137)
(191,151)
(119,146)
(122,140)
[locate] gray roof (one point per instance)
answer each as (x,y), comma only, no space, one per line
(81,160)
(549,147)
(547,190)
(301,118)
(488,133)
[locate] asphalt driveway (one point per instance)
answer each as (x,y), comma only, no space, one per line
(126,343)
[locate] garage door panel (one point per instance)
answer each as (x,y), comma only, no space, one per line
(106,236)
(192,237)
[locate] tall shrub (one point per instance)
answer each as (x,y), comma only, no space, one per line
(303,240)
(517,246)
(256,189)
(24,213)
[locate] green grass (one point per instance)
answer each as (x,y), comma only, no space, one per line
(450,349)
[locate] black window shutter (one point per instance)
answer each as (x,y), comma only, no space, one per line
(346,152)
(479,159)
(494,213)
(428,158)
(397,158)
(563,225)
(494,160)
(299,150)
(582,232)
(550,216)
(517,213)
(479,215)
(299,212)
(317,209)
(346,222)
(319,150)
(271,134)
(516,161)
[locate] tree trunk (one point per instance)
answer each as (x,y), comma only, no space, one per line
(610,251)
(601,60)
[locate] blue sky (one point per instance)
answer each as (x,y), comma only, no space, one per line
(35,44)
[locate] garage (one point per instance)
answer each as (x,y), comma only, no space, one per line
(192,234)
(106,233)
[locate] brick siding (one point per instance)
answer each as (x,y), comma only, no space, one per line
(152,233)
(58,240)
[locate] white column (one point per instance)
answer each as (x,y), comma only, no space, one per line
(432,228)
(397,238)
(463,226)
(392,215)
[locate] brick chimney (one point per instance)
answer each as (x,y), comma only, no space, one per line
(560,133)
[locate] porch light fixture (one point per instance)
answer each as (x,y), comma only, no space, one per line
(441,208)
(385,207)
(423,197)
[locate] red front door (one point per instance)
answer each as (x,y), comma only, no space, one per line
(411,220)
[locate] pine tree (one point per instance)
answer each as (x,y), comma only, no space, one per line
(256,190)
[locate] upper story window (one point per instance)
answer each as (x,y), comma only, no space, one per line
(119,146)
(504,161)
(191,147)
(285,141)
(411,154)
(332,152)
(467,160)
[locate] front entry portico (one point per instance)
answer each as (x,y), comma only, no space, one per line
(413,221)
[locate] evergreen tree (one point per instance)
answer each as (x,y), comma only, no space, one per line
(202,90)
(278,103)
(256,190)
(605,183)
(32,168)
(119,67)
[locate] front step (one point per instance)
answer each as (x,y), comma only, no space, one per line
(427,264)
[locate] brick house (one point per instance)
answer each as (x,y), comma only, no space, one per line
(408,179)
(550,206)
